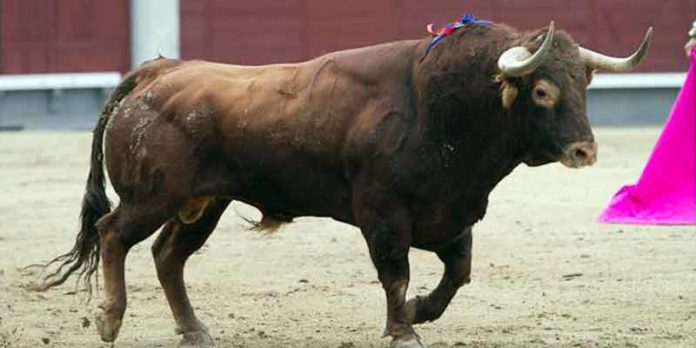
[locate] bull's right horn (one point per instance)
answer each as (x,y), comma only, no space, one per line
(518,61)
(603,62)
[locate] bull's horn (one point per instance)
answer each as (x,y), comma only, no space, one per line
(518,61)
(602,62)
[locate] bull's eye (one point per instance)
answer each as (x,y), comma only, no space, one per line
(545,94)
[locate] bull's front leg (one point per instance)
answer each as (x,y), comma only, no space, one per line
(389,244)
(457,260)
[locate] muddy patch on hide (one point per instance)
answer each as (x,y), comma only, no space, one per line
(145,118)
(137,134)
(196,122)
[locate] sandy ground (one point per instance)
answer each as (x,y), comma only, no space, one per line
(545,273)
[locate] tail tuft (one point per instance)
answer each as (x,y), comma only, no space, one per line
(83,258)
(269,223)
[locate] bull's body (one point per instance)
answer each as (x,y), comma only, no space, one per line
(330,137)
(405,147)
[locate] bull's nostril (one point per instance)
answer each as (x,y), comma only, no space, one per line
(580,155)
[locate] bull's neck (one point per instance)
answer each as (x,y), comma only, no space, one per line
(480,156)
(475,163)
(475,142)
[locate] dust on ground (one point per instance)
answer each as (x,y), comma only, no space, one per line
(545,273)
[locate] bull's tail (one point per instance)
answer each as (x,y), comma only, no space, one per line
(83,258)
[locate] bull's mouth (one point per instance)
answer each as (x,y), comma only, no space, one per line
(578,155)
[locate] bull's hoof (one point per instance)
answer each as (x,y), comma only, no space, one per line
(199,338)
(107,329)
(408,343)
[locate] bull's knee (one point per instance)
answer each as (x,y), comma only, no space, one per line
(464,276)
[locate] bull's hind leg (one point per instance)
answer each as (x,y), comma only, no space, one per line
(119,231)
(457,260)
(177,241)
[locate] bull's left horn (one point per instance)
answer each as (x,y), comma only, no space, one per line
(599,61)
(518,61)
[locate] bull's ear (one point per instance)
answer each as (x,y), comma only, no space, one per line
(589,74)
(508,93)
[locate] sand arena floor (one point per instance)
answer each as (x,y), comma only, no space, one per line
(545,274)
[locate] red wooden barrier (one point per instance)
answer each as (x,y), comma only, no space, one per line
(268,31)
(86,35)
(39,36)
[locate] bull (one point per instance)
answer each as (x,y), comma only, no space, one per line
(403,146)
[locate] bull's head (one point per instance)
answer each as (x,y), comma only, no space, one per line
(548,89)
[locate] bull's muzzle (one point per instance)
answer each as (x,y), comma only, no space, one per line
(581,154)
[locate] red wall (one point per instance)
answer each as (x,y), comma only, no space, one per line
(63,36)
(270,31)
(87,35)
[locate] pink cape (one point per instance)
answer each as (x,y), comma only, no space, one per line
(666,191)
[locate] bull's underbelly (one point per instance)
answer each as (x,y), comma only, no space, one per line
(290,189)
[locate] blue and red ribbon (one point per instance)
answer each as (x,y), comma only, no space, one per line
(448,29)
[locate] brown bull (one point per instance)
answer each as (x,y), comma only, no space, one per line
(406,149)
